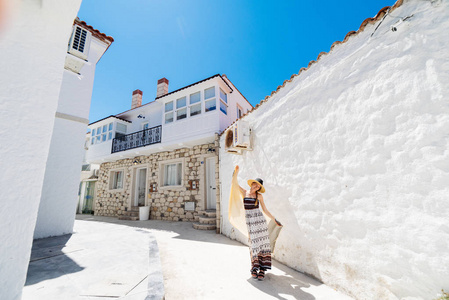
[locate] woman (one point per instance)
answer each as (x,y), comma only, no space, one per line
(256,223)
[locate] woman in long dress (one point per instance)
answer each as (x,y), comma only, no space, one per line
(260,250)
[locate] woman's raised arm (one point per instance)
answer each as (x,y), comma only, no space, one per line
(234,177)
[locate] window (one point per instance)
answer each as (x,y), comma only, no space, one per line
(223,96)
(195,104)
(145,125)
(169,112)
(85,167)
(239,112)
(181,109)
(79,43)
(120,130)
(116,180)
(101,134)
(223,108)
(209,93)
(210,103)
(172,174)
(92,137)
(223,102)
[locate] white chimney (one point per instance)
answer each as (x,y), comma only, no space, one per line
(137,99)
(162,87)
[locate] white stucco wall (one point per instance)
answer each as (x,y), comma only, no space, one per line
(354,155)
(33,45)
(61,183)
(59,198)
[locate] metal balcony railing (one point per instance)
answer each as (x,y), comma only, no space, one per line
(137,139)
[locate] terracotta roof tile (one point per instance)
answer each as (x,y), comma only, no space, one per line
(95,32)
(367,21)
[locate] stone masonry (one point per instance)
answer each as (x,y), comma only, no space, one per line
(165,203)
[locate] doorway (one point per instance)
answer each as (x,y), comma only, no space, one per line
(89,198)
(141,179)
(211,187)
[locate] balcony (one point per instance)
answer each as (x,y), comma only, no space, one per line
(137,139)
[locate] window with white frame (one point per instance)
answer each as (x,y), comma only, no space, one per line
(79,42)
(101,134)
(210,102)
(195,104)
(111,125)
(92,136)
(172,174)
(181,108)
(116,180)
(223,102)
(239,111)
(169,112)
(120,130)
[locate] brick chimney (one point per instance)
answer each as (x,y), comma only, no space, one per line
(137,99)
(162,87)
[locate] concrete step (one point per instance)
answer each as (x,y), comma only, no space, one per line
(128,218)
(207,220)
(200,226)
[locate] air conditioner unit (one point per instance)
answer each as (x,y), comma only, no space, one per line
(229,141)
(242,135)
(238,138)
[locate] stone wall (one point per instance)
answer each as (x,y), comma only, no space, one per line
(166,203)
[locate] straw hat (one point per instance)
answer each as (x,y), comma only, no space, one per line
(260,182)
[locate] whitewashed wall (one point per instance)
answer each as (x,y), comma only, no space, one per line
(354,154)
(59,197)
(33,45)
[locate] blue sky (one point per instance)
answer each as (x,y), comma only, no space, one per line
(257,44)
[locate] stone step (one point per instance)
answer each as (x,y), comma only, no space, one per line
(200,226)
(207,220)
(128,218)
(131,213)
(210,213)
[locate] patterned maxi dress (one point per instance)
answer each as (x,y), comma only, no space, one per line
(260,250)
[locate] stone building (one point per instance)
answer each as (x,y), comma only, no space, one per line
(160,160)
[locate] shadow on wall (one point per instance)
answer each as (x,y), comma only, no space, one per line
(289,249)
(49,260)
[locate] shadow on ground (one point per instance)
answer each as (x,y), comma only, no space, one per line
(49,260)
(285,286)
(178,228)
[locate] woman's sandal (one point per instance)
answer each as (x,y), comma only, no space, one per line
(261,275)
(254,273)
